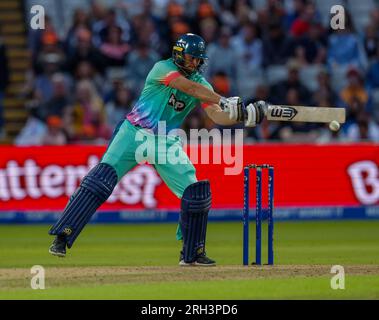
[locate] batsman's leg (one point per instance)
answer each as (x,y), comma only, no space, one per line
(195,204)
(93,191)
(95,188)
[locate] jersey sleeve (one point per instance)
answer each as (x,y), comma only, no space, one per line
(205,83)
(163,73)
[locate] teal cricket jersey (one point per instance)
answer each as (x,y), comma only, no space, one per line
(159,102)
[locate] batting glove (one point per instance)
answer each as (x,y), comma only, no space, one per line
(234,106)
(255,113)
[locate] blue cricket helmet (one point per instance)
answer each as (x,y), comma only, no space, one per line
(191,44)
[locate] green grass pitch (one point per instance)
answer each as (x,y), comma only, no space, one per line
(140,261)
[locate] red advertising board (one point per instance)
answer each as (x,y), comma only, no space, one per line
(43,178)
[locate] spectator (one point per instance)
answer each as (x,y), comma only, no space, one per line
(50,62)
(277,47)
(248,47)
(86,117)
(222,56)
(364,129)
(50,52)
(324,90)
(102,28)
(371,41)
(311,47)
(81,20)
(273,11)
(140,62)
(345,49)
(84,50)
(86,71)
(353,110)
(298,6)
(355,90)
(54,135)
(119,107)
(59,101)
(35,36)
(278,91)
(302,24)
(4,81)
(113,48)
(209,30)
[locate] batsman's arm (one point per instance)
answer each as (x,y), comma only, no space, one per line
(195,90)
(215,113)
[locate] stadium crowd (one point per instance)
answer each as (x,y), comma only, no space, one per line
(81,85)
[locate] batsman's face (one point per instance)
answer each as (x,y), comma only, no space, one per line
(191,63)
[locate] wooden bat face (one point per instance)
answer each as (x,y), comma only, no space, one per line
(305,114)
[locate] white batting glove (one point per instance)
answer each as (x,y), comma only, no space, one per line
(234,106)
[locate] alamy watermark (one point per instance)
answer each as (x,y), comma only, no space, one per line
(38,19)
(337,21)
(174,147)
(337,282)
(38,279)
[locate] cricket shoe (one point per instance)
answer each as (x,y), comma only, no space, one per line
(200,261)
(58,247)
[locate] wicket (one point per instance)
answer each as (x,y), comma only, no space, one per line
(258,214)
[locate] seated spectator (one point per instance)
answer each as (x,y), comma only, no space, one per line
(353,110)
(54,136)
(208,30)
(140,62)
(372,77)
(298,6)
(324,90)
(277,46)
(85,71)
(80,20)
(222,56)
(43,83)
(102,28)
(87,111)
(274,10)
(50,52)
(35,36)
(311,47)
(248,47)
(365,129)
(59,101)
(117,109)
(355,90)
(278,91)
(113,48)
(345,49)
(85,51)
(302,24)
(371,41)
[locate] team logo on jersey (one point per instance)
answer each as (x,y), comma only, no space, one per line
(176,104)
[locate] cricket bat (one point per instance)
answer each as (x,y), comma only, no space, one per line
(305,114)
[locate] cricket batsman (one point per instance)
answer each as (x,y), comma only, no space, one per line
(172,89)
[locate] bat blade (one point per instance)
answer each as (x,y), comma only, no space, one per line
(305,114)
